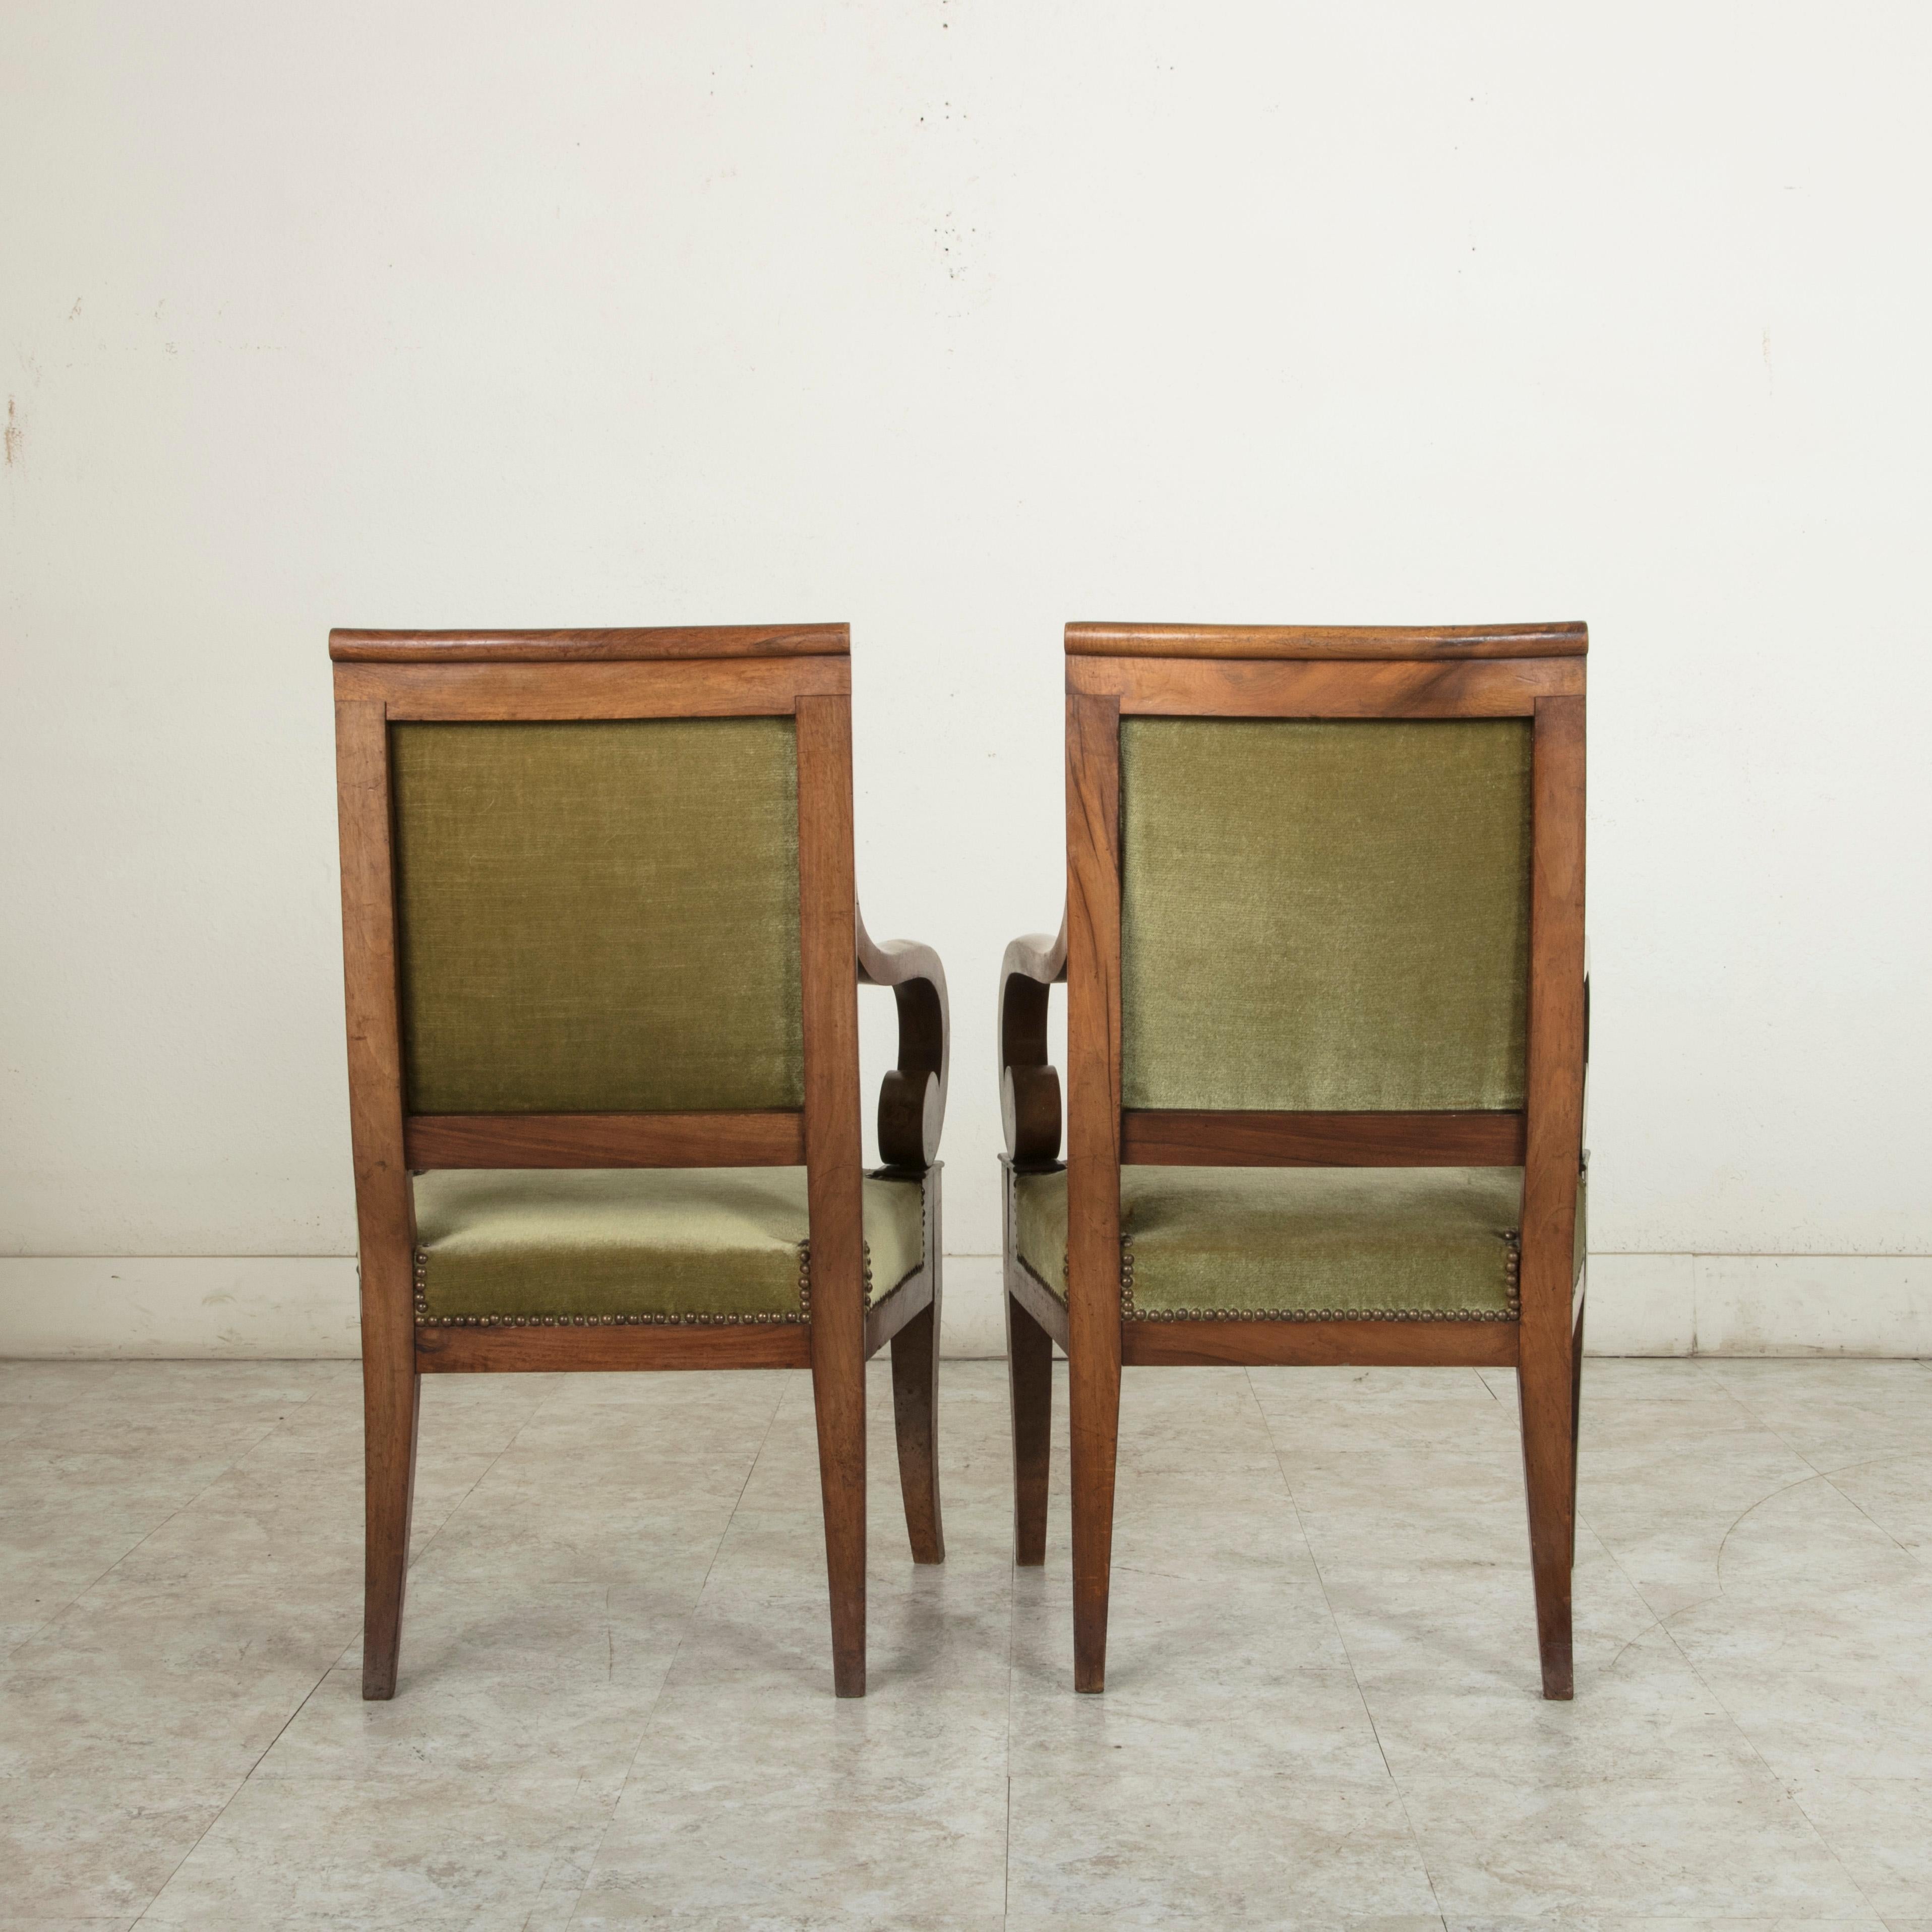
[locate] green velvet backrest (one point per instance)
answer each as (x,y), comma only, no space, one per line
(598,916)
(1324,916)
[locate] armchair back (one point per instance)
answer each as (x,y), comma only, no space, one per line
(598,896)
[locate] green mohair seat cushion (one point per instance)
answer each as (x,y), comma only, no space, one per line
(649,1244)
(1298,1242)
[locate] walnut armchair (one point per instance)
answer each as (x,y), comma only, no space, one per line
(602,951)
(1326,1043)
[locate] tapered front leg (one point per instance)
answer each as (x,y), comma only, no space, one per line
(1549,1465)
(916,1417)
(1095,1430)
(916,1394)
(391,1402)
(838,1395)
(1030,1373)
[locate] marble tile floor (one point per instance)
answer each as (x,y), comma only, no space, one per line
(615,1707)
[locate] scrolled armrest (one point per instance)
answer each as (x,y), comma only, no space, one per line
(1029,1084)
(912,1097)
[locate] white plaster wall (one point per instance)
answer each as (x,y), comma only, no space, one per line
(957,320)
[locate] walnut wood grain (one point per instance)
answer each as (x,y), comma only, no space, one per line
(385,1216)
(1030,1389)
(1040,1301)
(594,1350)
(746,1139)
(912,1097)
(679,688)
(686,641)
(1162,1137)
(1030,1105)
(1340,641)
(828,927)
(888,1315)
(1092,1160)
(1397,1345)
(915,1344)
(1262,687)
(1546,1382)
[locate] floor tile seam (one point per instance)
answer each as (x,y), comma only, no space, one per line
(1783,1784)
(413,1558)
(66,1402)
(1731,1717)
(670,1665)
(1007,1850)
(1828,1477)
(1660,1620)
(430,1542)
(576,1894)
(1723,1543)
(241,1785)
(1375,1730)
(1712,1376)
(1922,1557)
(87,1588)
(302,1705)
(1354,1676)
(1657,1622)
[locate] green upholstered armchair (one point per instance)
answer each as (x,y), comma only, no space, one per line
(1326,1038)
(601,948)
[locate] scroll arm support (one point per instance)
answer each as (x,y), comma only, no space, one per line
(912,1097)
(1029,1109)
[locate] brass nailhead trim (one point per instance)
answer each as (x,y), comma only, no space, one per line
(805,1279)
(424,1319)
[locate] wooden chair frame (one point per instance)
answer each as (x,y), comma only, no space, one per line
(800,672)
(1114,670)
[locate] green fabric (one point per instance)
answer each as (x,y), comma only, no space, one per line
(707,1242)
(1298,1241)
(598,916)
(1327,916)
